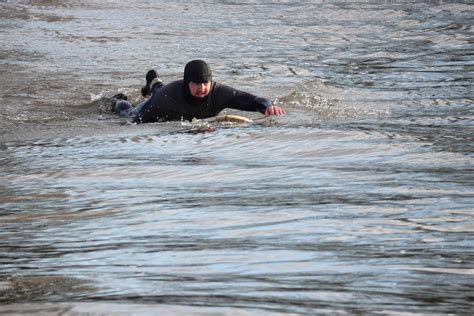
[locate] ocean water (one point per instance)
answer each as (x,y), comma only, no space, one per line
(359,201)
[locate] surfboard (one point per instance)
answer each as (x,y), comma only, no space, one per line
(233,119)
(227,120)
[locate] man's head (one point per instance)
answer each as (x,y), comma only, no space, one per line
(198,78)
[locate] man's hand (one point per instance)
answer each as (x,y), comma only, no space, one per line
(275,110)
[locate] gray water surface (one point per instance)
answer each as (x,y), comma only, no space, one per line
(359,201)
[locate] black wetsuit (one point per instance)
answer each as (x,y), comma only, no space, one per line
(172,102)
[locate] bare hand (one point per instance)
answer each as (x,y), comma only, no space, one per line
(275,110)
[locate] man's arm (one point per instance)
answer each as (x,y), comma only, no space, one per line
(240,100)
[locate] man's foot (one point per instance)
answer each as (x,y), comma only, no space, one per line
(115,99)
(121,107)
(120,96)
(150,75)
(151,80)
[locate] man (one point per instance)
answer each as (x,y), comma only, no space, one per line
(195,96)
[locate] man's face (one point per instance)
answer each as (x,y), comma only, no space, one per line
(199,90)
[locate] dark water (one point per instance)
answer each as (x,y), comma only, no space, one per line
(359,201)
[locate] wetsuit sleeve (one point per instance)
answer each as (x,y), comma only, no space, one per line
(240,100)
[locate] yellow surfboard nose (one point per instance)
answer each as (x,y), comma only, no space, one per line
(233,118)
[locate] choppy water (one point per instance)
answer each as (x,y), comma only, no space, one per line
(359,201)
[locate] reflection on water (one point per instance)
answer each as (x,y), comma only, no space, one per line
(357,202)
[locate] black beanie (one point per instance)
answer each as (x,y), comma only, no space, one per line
(197,71)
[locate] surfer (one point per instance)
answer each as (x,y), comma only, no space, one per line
(194,96)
